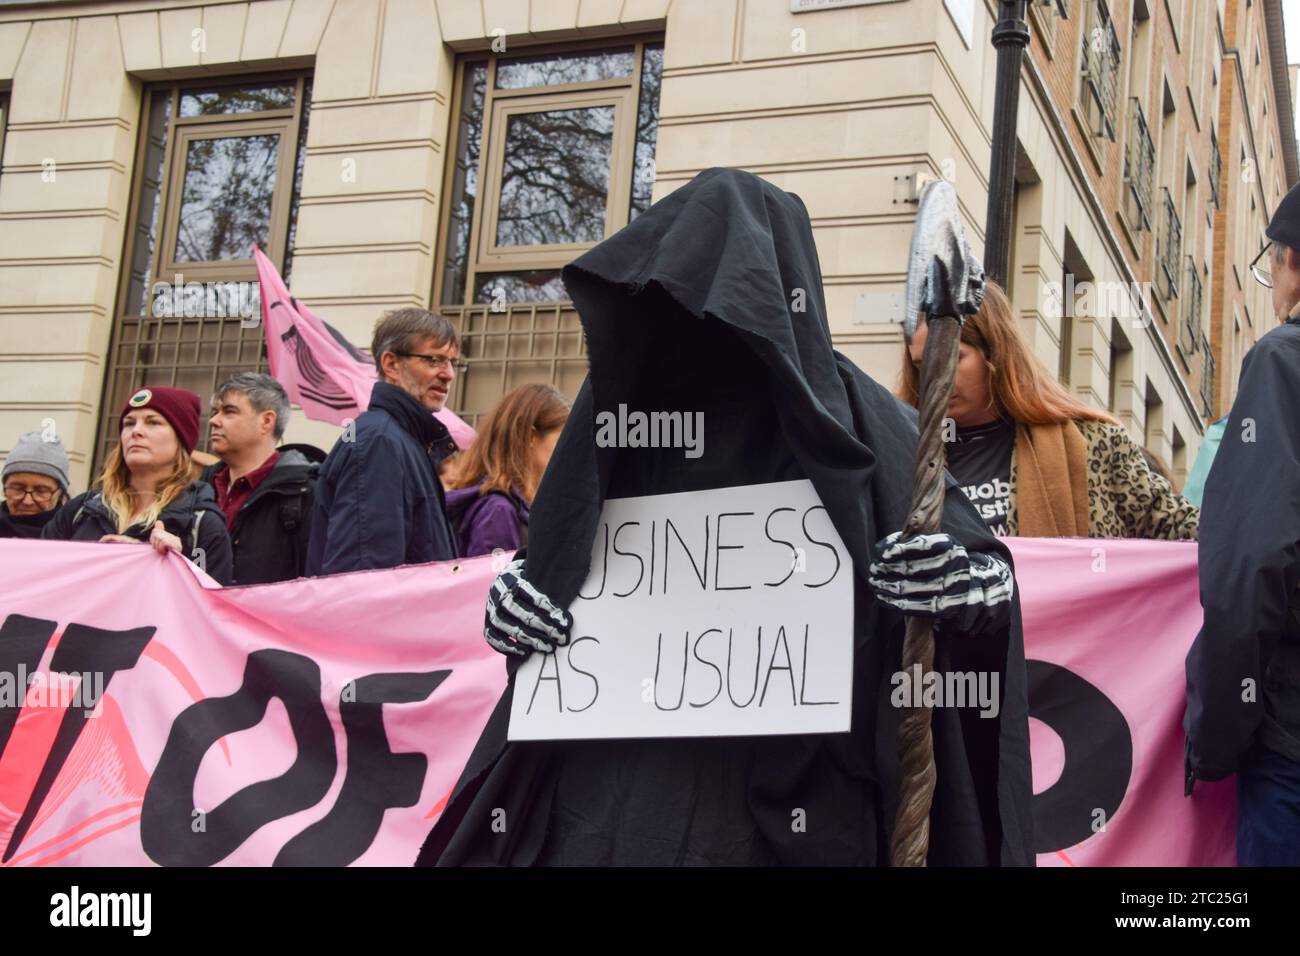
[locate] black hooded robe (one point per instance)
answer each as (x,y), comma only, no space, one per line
(712,301)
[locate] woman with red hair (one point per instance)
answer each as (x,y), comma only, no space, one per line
(492,483)
(1034,460)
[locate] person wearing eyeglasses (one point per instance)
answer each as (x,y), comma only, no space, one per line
(379,502)
(1243,670)
(35,485)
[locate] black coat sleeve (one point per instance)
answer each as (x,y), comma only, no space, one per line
(215,542)
(59,528)
(1249,556)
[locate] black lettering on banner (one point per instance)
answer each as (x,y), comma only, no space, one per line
(376,777)
(1098,755)
(165,830)
(22,642)
(83,649)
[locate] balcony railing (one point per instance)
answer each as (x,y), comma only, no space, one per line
(1169,247)
(1207,381)
(1216,168)
(1139,166)
(1189,335)
(1100,70)
(521,343)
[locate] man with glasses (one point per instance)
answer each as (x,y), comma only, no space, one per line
(1243,671)
(379,503)
(35,485)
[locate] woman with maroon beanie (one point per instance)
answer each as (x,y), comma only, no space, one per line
(146,493)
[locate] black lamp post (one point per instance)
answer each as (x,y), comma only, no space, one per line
(1010,37)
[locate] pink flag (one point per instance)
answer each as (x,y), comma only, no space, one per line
(1107,629)
(321,370)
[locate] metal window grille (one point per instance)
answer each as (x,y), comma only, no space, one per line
(1169,245)
(1101,61)
(1139,168)
(1190,331)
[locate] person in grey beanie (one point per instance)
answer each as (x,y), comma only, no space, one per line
(35,481)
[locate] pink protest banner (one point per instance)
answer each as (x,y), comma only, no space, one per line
(322,721)
(325,721)
(1107,629)
(324,374)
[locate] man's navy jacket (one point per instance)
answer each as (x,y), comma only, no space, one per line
(379,503)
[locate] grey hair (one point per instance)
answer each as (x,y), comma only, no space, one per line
(403,329)
(264,393)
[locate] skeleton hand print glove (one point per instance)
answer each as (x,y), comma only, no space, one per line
(932,575)
(521,619)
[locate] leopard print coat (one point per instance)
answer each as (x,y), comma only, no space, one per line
(1126,499)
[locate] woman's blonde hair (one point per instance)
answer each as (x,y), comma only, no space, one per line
(1021,387)
(115,487)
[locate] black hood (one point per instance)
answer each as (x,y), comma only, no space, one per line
(725,248)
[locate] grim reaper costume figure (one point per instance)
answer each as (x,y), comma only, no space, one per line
(712,301)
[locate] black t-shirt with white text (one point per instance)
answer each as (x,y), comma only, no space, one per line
(980,460)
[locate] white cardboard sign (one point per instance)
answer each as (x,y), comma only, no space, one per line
(710,613)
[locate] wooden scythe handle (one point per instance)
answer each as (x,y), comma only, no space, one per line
(911,838)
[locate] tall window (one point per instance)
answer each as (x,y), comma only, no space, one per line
(218,170)
(552,152)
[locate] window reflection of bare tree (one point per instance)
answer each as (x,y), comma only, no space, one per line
(243,100)
(556,70)
(647,128)
(226,197)
(555,177)
(465,184)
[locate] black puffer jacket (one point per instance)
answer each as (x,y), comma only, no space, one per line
(269,537)
(193,517)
